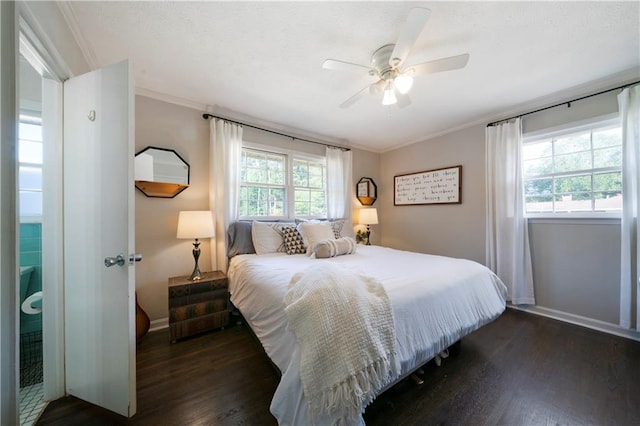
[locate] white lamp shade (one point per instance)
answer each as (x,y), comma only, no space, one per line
(369,216)
(195,224)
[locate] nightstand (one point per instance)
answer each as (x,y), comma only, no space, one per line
(197,306)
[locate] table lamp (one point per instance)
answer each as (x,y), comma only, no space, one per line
(368,217)
(195,224)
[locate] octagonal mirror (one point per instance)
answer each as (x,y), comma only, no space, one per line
(161,172)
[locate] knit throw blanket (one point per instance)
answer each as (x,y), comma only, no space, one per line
(344,325)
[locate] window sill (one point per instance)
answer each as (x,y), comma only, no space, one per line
(582,219)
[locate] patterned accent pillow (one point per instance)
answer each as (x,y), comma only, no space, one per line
(293,242)
(267,237)
(337,228)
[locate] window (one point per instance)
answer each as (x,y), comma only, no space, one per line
(281,185)
(574,171)
(30,155)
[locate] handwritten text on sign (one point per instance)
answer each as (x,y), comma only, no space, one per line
(440,186)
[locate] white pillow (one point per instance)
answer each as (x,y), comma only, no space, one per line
(342,228)
(267,237)
(315,232)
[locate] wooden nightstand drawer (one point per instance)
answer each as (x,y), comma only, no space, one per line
(197,306)
(192,326)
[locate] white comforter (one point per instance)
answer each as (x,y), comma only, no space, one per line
(436,300)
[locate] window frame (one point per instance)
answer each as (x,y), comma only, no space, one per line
(290,155)
(31,118)
(603,121)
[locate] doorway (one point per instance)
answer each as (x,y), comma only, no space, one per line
(39,211)
(30,161)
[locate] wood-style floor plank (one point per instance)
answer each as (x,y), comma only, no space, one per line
(521,369)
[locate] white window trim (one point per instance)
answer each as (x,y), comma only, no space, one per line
(290,154)
(577,127)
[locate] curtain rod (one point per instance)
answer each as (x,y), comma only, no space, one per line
(206,116)
(568,103)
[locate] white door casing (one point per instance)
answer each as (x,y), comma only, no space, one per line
(99,212)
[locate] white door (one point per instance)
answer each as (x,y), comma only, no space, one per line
(100,343)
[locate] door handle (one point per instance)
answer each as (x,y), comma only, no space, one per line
(110,261)
(135,257)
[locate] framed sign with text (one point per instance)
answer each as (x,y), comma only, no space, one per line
(439,186)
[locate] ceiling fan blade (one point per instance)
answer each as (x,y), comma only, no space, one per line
(352,100)
(336,65)
(444,64)
(409,33)
(402,100)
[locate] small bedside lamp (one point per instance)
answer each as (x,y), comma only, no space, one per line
(369,217)
(195,224)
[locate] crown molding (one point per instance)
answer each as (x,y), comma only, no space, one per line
(176,100)
(69,15)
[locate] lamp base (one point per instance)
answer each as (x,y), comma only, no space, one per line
(368,234)
(196,275)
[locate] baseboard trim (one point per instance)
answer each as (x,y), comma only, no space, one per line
(591,323)
(159,324)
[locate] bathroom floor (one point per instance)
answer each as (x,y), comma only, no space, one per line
(32,404)
(30,358)
(31,389)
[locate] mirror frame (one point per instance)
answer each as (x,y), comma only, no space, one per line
(153,189)
(366,191)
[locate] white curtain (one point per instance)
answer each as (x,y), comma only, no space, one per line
(629,106)
(508,251)
(225,149)
(338,183)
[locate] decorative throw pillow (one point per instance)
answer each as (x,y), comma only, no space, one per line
(267,237)
(315,232)
(293,242)
(341,228)
(334,247)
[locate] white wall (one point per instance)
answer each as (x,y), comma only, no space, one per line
(576,266)
(456,230)
(183,129)
(367,164)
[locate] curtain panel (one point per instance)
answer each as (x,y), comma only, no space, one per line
(507,245)
(339,183)
(629,107)
(225,150)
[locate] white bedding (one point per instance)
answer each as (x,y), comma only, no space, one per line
(436,301)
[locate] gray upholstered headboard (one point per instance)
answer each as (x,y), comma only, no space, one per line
(239,239)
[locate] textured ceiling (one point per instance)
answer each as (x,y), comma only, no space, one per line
(262,61)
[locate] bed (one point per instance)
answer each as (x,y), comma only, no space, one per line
(435,301)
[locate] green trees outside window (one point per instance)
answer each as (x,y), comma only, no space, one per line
(574,172)
(275,185)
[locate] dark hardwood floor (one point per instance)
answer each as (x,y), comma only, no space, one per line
(521,369)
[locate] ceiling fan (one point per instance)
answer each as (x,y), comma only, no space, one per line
(394,81)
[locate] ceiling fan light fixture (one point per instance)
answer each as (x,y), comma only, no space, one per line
(389,97)
(403,83)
